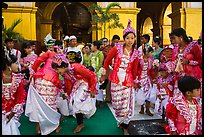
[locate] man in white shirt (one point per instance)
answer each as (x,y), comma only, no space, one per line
(10,44)
(73,53)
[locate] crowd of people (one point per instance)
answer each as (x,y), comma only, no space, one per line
(167,78)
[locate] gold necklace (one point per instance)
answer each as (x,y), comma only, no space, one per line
(190,102)
(180,50)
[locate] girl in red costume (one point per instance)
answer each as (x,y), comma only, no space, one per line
(13,94)
(183,111)
(145,80)
(188,56)
(80,85)
(44,89)
(123,77)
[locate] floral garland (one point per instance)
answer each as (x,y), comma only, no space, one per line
(182,107)
(189,47)
(120,52)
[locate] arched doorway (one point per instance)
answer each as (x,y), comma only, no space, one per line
(147,28)
(69,18)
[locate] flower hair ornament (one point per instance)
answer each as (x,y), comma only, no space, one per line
(59,58)
(60,51)
(168,66)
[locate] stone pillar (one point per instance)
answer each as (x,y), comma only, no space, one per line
(178,19)
(193,22)
(166,30)
(46,28)
(94,32)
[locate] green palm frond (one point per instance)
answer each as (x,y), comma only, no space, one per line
(96,7)
(10,33)
(15,23)
(97,19)
(111,5)
(113,16)
(116,25)
(105,17)
(3,27)
(94,29)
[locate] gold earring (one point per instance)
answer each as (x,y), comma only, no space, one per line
(9,68)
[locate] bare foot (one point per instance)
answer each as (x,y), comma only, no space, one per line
(141,112)
(107,100)
(38,132)
(79,128)
(149,113)
(120,126)
(38,129)
(58,129)
(125,132)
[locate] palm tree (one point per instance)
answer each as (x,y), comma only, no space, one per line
(10,33)
(104,17)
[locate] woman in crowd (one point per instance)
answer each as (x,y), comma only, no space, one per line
(86,55)
(187,56)
(96,60)
(157,49)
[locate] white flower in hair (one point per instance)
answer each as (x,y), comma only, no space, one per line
(156,63)
(66,38)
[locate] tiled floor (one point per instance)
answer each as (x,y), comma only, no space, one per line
(142,124)
(138,116)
